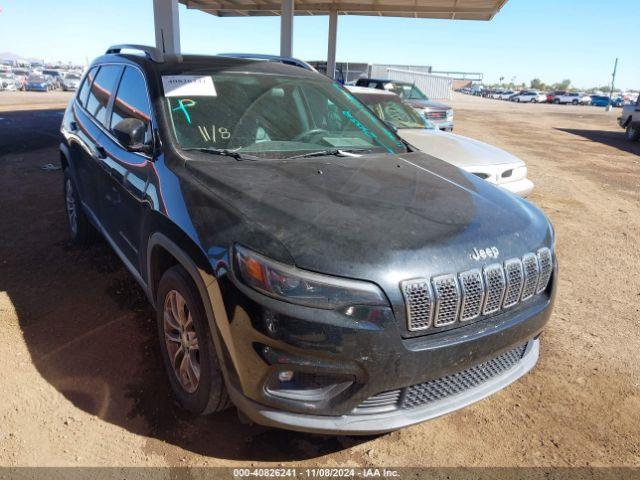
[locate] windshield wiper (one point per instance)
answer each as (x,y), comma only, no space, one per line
(223,151)
(333,152)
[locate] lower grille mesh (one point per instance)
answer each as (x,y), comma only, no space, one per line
(428,392)
(434,390)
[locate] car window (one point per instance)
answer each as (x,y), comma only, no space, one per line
(101,90)
(398,114)
(132,100)
(83,93)
(277,116)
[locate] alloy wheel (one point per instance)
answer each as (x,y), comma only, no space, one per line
(181,341)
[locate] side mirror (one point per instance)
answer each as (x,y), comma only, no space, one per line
(130,133)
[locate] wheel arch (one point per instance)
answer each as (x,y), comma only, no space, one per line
(166,246)
(176,248)
(65,155)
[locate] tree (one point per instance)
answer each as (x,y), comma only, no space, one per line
(565,84)
(538,84)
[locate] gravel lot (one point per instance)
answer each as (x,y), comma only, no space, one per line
(82,378)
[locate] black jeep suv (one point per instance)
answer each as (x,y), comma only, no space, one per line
(304,262)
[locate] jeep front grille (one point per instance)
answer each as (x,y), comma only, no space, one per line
(496,283)
(515,279)
(531,273)
(546,265)
(472,294)
(418,300)
(447,299)
(447,294)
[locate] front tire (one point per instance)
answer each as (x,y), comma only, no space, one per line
(80,228)
(632,133)
(187,349)
(575,102)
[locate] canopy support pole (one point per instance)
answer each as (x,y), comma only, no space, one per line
(167,27)
(331,50)
(286,28)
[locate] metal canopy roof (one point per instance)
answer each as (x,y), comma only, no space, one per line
(444,9)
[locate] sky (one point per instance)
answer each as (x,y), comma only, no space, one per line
(548,39)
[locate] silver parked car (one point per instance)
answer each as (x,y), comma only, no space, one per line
(440,114)
(483,160)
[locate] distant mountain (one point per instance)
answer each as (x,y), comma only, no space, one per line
(14,56)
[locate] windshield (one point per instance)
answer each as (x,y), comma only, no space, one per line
(392,110)
(72,76)
(409,92)
(273,116)
(36,78)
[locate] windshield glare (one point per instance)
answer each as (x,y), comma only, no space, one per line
(398,114)
(409,92)
(277,116)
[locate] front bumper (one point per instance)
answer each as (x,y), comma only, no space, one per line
(445,125)
(522,188)
(370,424)
(367,351)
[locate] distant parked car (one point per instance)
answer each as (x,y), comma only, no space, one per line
(70,81)
(485,161)
(630,120)
(506,95)
(439,113)
(529,96)
(552,95)
(56,77)
(21,76)
(8,81)
(496,95)
(600,100)
(574,98)
(38,83)
(617,102)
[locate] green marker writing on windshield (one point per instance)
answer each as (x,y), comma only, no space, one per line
(183,105)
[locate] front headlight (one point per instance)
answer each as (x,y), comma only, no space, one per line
(450,114)
(293,285)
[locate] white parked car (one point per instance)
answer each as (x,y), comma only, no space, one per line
(8,81)
(497,94)
(531,96)
(483,160)
(71,81)
(574,98)
(506,95)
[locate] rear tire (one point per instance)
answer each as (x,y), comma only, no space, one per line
(556,101)
(632,133)
(81,230)
(575,102)
(188,351)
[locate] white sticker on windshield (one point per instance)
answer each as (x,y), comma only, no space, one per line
(188,85)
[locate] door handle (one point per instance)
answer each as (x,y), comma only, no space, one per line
(101,152)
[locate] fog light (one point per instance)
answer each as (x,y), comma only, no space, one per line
(285,376)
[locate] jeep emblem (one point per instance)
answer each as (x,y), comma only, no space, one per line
(484,253)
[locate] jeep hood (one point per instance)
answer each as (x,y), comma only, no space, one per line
(382,218)
(461,151)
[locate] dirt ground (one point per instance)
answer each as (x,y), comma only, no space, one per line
(82,378)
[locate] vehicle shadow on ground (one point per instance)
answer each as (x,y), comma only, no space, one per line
(91,333)
(610,138)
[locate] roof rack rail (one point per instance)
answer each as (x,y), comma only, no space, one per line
(151,53)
